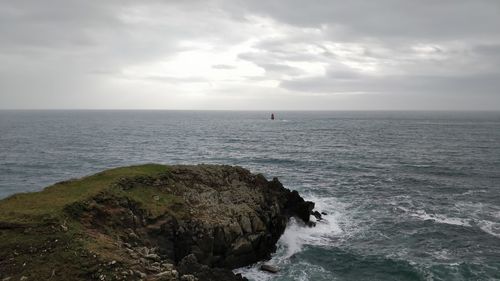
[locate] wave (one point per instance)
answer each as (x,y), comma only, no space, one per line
(301,271)
(296,236)
(438,218)
(492,228)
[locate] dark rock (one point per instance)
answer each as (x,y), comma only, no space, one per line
(297,206)
(269,268)
(317,215)
(310,224)
(189,265)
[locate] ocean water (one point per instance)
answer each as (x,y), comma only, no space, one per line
(408,195)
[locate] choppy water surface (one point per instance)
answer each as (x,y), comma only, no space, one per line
(409,196)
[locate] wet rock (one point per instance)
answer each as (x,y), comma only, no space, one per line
(298,207)
(317,215)
(310,224)
(269,268)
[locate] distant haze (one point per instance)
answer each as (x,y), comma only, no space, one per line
(258,55)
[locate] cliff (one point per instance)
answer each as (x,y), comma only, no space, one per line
(149,222)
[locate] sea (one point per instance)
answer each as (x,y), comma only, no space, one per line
(407,195)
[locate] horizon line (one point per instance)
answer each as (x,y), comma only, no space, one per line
(252,110)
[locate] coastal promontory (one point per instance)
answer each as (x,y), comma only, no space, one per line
(147,222)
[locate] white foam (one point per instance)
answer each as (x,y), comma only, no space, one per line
(296,236)
(406,210)
(490,227)
(497,214)
(421,214)
(301,271)
(443,255)
(254,273)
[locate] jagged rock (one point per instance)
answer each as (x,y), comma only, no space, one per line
(189,266)
(202,221)
(317,215)
(310,224)
(296,205)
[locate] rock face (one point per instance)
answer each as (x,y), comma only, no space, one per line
(150,222)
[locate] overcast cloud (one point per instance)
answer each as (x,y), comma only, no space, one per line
(235,54)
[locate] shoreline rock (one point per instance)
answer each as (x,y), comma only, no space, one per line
(149,222)
(269,268)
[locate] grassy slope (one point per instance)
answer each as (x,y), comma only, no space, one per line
(46,243)
(49,203)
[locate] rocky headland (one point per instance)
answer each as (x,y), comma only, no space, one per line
(148,222)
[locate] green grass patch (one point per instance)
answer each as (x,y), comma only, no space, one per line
(42,236)
(49,203)
(154,200)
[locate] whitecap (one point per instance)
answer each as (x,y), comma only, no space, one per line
(492,228)
(423,215)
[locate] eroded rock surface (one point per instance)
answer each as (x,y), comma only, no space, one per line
(176,223)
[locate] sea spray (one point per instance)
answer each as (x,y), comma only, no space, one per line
(297,236)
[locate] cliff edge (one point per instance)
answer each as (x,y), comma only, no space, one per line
(148,222)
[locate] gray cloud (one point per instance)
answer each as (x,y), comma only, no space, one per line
(69,53)
(414,20)
(407,84)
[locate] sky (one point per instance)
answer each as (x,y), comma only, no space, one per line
(250,55)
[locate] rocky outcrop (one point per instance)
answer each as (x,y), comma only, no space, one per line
(166,223)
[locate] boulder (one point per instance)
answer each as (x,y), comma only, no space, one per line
(317,215)
(269,268)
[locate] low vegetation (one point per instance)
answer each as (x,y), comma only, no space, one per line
(40,231)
